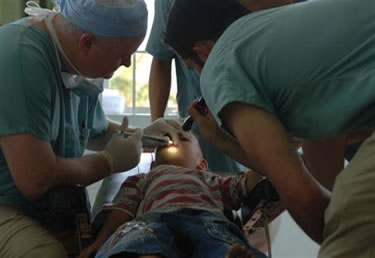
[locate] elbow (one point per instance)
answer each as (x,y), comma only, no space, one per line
(32,190)
(33,194)
(34,185)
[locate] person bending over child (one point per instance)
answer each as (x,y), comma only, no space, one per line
(175,210)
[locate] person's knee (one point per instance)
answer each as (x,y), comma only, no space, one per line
(35,250)
(21,236)
(55,250)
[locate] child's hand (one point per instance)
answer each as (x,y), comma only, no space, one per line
(90,251)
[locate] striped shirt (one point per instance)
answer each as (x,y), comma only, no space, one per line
(168,188)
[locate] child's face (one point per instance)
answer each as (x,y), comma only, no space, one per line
(186,153)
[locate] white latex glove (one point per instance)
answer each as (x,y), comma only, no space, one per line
(123,153)
(162,127)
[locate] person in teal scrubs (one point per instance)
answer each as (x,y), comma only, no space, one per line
(52,70)
(304,70)
(188,87)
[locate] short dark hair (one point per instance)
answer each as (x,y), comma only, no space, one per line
(190,21)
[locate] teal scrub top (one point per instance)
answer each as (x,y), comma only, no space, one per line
(187,79)
(34,100)
(311,64)
(188,87)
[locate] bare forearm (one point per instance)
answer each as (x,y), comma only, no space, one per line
(84,170)
(267,144)
(159,87)
(35,168)
(158,103)
(233,149)
(216,136)
(305,200)
(252,178)
(112,223)
(69,171)
(99,143)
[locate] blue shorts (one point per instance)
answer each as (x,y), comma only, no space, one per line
(178,234)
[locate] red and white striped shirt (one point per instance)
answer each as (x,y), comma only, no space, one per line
(168,188)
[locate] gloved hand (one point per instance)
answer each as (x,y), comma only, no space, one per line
(162,127)
(123,153)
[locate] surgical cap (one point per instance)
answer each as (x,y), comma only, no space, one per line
(107,18)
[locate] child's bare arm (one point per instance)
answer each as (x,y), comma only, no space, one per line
(112,223)
(252,179)
(114,220)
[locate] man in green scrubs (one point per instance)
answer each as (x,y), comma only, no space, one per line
(304,70)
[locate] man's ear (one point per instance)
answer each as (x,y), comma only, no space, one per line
(203,48)
(86,42)
(203,165)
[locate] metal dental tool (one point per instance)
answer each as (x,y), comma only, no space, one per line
(149,141)
(189,121)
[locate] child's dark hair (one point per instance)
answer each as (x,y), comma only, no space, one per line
(190,21)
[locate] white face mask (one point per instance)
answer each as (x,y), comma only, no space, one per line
(71,81)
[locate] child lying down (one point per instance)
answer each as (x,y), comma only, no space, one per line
(175,210)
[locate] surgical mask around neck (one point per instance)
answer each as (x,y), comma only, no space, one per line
(33,9)
(83,85)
